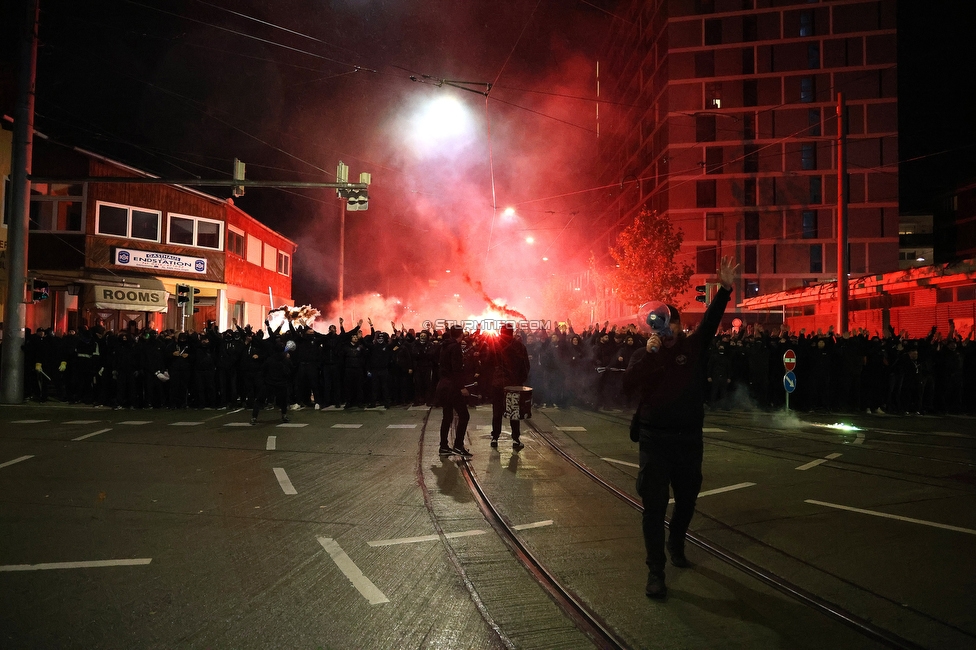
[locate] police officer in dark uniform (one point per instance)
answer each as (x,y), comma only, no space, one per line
(669,376)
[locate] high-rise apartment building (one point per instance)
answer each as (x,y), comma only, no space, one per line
(722,115)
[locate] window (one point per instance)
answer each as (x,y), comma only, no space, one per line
(808,156)
(816,258)
(816,197)
(749,191)
(808,89)
(750,161)
(751,225)
(284,263)
(235,242)
(810,230)
(748,61)
(813,119)
(713,160)
(748,126)
(705,64)
(750,92)
(713,32)
(704,128)
(713,95)
(195,231)
(813,56)
(705,260)
(125,221)
(806,23)
(705,194)
(713,222)
(54,207)
(750,28)
(751,289)
(750,259)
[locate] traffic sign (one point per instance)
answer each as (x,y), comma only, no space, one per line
(789,360)
(789,382)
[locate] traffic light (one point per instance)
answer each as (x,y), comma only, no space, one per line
(39,291)
(704,295)
(182,294)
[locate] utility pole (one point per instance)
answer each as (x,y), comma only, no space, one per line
(342,250)
(842,262)
(15,305)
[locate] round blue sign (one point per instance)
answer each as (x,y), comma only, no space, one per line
(789,382)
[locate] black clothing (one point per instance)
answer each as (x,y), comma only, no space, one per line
(507,365)
(448,395)
(668,422)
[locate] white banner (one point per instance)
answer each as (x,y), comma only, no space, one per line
(159,261)
(130,298)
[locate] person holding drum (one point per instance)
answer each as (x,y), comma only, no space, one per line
(669,377)
(509,368)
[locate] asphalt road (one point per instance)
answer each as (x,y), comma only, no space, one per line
(346,530)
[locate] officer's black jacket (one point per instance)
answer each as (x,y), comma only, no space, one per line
(671,381)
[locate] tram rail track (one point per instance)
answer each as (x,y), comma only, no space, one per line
(807,598)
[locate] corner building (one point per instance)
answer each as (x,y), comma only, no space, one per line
(722,115)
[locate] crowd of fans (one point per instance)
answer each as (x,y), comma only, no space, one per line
(243,367)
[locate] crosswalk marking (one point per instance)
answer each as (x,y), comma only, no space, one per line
(293,425)
(346,426)
(185,424)
(401,426)
(284,481)
(353,572)
(271,445)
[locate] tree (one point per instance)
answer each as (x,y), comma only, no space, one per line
(645,253)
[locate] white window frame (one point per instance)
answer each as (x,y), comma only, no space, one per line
(128,220)
(286,256)
(240,233)
(72,198)
(196,231)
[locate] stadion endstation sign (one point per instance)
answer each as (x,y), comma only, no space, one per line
(159,261)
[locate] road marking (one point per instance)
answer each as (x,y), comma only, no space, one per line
(946,434)
(292,425)
(418,408)
(727,488)
(82,421)
(76,565)
(483,407)
(15,460)
(713,430)
(401,426)
(621,462)
(351,571)
(238,424)
(346,426)
(535,524)
(859,439)
(271,443)
(819,461)
(136,422)
(424,538)
(185,424)
(89,435)
(29,421)
(571,428)
(284,481)
(887,516)
(234,411)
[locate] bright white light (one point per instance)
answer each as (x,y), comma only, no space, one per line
(838,425)
(447,271)
(545,259)
(530,240)
(919,259)
(440,127)
(509,212)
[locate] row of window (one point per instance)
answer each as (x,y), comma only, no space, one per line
(706,192)
(706,259)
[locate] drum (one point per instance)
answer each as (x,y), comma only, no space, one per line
(518,402)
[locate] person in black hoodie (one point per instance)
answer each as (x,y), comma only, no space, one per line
(669,376)
(276,373)
(451,394)
(507,365)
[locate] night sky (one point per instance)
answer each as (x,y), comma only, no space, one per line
(293,86)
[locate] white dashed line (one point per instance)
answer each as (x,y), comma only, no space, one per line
(15,460)
(535,524)
(727,488)
(76,565)
(571,428)
(185,424)
(401,426)
(713,430)
(29,421)
(238,424)
(887,516)
(351,571)
(418,408)
(284,481)
(292,425)
(621,462)
(271,443)
(89,435)
(346,426)
(136,422)
(424,538)
(82,421)
(819,461)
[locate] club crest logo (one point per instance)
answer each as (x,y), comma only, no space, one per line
(681,359)
(123,257)
(200,266)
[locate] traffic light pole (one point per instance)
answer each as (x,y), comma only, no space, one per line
(342,250)
(15,305)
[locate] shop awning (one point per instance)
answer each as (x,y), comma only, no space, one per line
(142,294)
